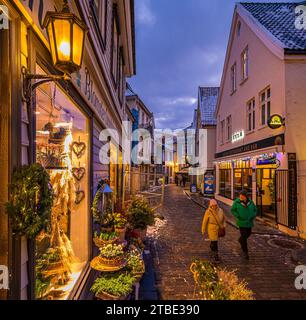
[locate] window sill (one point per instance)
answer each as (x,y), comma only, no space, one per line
(244,81)
(248,133)
(263,127)
(233,92)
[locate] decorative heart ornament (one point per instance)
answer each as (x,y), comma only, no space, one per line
(78,173)
(79,197)
(78,148)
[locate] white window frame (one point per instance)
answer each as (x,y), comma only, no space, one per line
(251,115)
(234,78)
(229,128)
(222,131)
(245,64)
(265,105)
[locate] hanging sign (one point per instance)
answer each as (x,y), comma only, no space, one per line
(275,122)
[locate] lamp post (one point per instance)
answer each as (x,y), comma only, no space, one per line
(66,34)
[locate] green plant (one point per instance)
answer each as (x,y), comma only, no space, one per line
(104,217)
(31,200)
(218,284)
(119,221)
(140,215)
(135,264)
(112,251)
(106,236)
(117,284)
(137,243)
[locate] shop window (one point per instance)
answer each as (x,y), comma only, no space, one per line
(225,188)
(245,64)
(62,147)
(234,77)
(265,102)
(251,116)
(243,178)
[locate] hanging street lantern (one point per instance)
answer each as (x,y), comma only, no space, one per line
(66,33)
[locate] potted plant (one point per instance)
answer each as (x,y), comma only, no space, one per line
(140,215)
(105,238)
(136,266)
(120,223)
(116,286)
(107,223)
(112,255)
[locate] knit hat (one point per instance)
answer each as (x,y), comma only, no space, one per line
(213,202)
(244,193)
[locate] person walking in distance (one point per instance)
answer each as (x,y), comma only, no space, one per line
(214,225)
(245,212)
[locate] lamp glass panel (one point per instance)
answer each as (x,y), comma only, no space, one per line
(63,39)
(52,43)
(78,38)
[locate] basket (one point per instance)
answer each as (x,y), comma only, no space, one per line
(109,297)
(112,262)
(98,265)
(100,243)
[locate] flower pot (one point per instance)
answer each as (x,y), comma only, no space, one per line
(108,297)
(100,243)
(107,230)
(121,233)
(112,262)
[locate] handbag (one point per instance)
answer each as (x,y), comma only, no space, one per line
(222,230)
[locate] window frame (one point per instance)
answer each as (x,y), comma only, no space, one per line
(115,22)
(265,106)
(251,116)
(97,14)
(245,60)
(234,78)
(229,128)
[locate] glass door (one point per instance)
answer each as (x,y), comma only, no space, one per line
(266,193)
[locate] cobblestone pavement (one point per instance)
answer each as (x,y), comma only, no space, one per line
(269,273)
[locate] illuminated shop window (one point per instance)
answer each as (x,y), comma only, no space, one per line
(62,137)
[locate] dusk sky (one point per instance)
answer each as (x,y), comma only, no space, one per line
(181,44)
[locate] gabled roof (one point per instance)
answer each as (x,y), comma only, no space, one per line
(279,19)
(208,98)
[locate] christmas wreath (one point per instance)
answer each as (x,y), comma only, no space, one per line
(31,200)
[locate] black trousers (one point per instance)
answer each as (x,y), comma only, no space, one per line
(243,240)
(214,246)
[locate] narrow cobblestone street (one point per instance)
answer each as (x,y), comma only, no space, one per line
(269,273)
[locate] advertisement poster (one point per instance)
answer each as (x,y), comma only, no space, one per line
(209,184)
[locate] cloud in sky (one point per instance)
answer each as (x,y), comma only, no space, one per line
(181,45)
(144,13)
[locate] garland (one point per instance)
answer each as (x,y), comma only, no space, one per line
(31,200)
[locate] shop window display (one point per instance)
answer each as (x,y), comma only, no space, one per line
(225,188)
(62,137)
(243,176)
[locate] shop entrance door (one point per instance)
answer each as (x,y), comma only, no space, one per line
(266,193)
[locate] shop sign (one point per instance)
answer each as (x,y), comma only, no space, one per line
(275,122)
(193,188)
(209,184)
(238,136)
(262,144)
(292,206)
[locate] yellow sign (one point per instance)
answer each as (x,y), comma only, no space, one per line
(276,122)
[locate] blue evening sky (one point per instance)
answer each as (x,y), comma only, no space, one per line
(181,45)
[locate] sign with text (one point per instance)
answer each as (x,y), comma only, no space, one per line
(275,122)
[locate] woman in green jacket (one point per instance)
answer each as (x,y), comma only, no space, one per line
(245,212)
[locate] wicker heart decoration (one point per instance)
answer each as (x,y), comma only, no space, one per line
(79,196)
(78,173)
(78,149)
